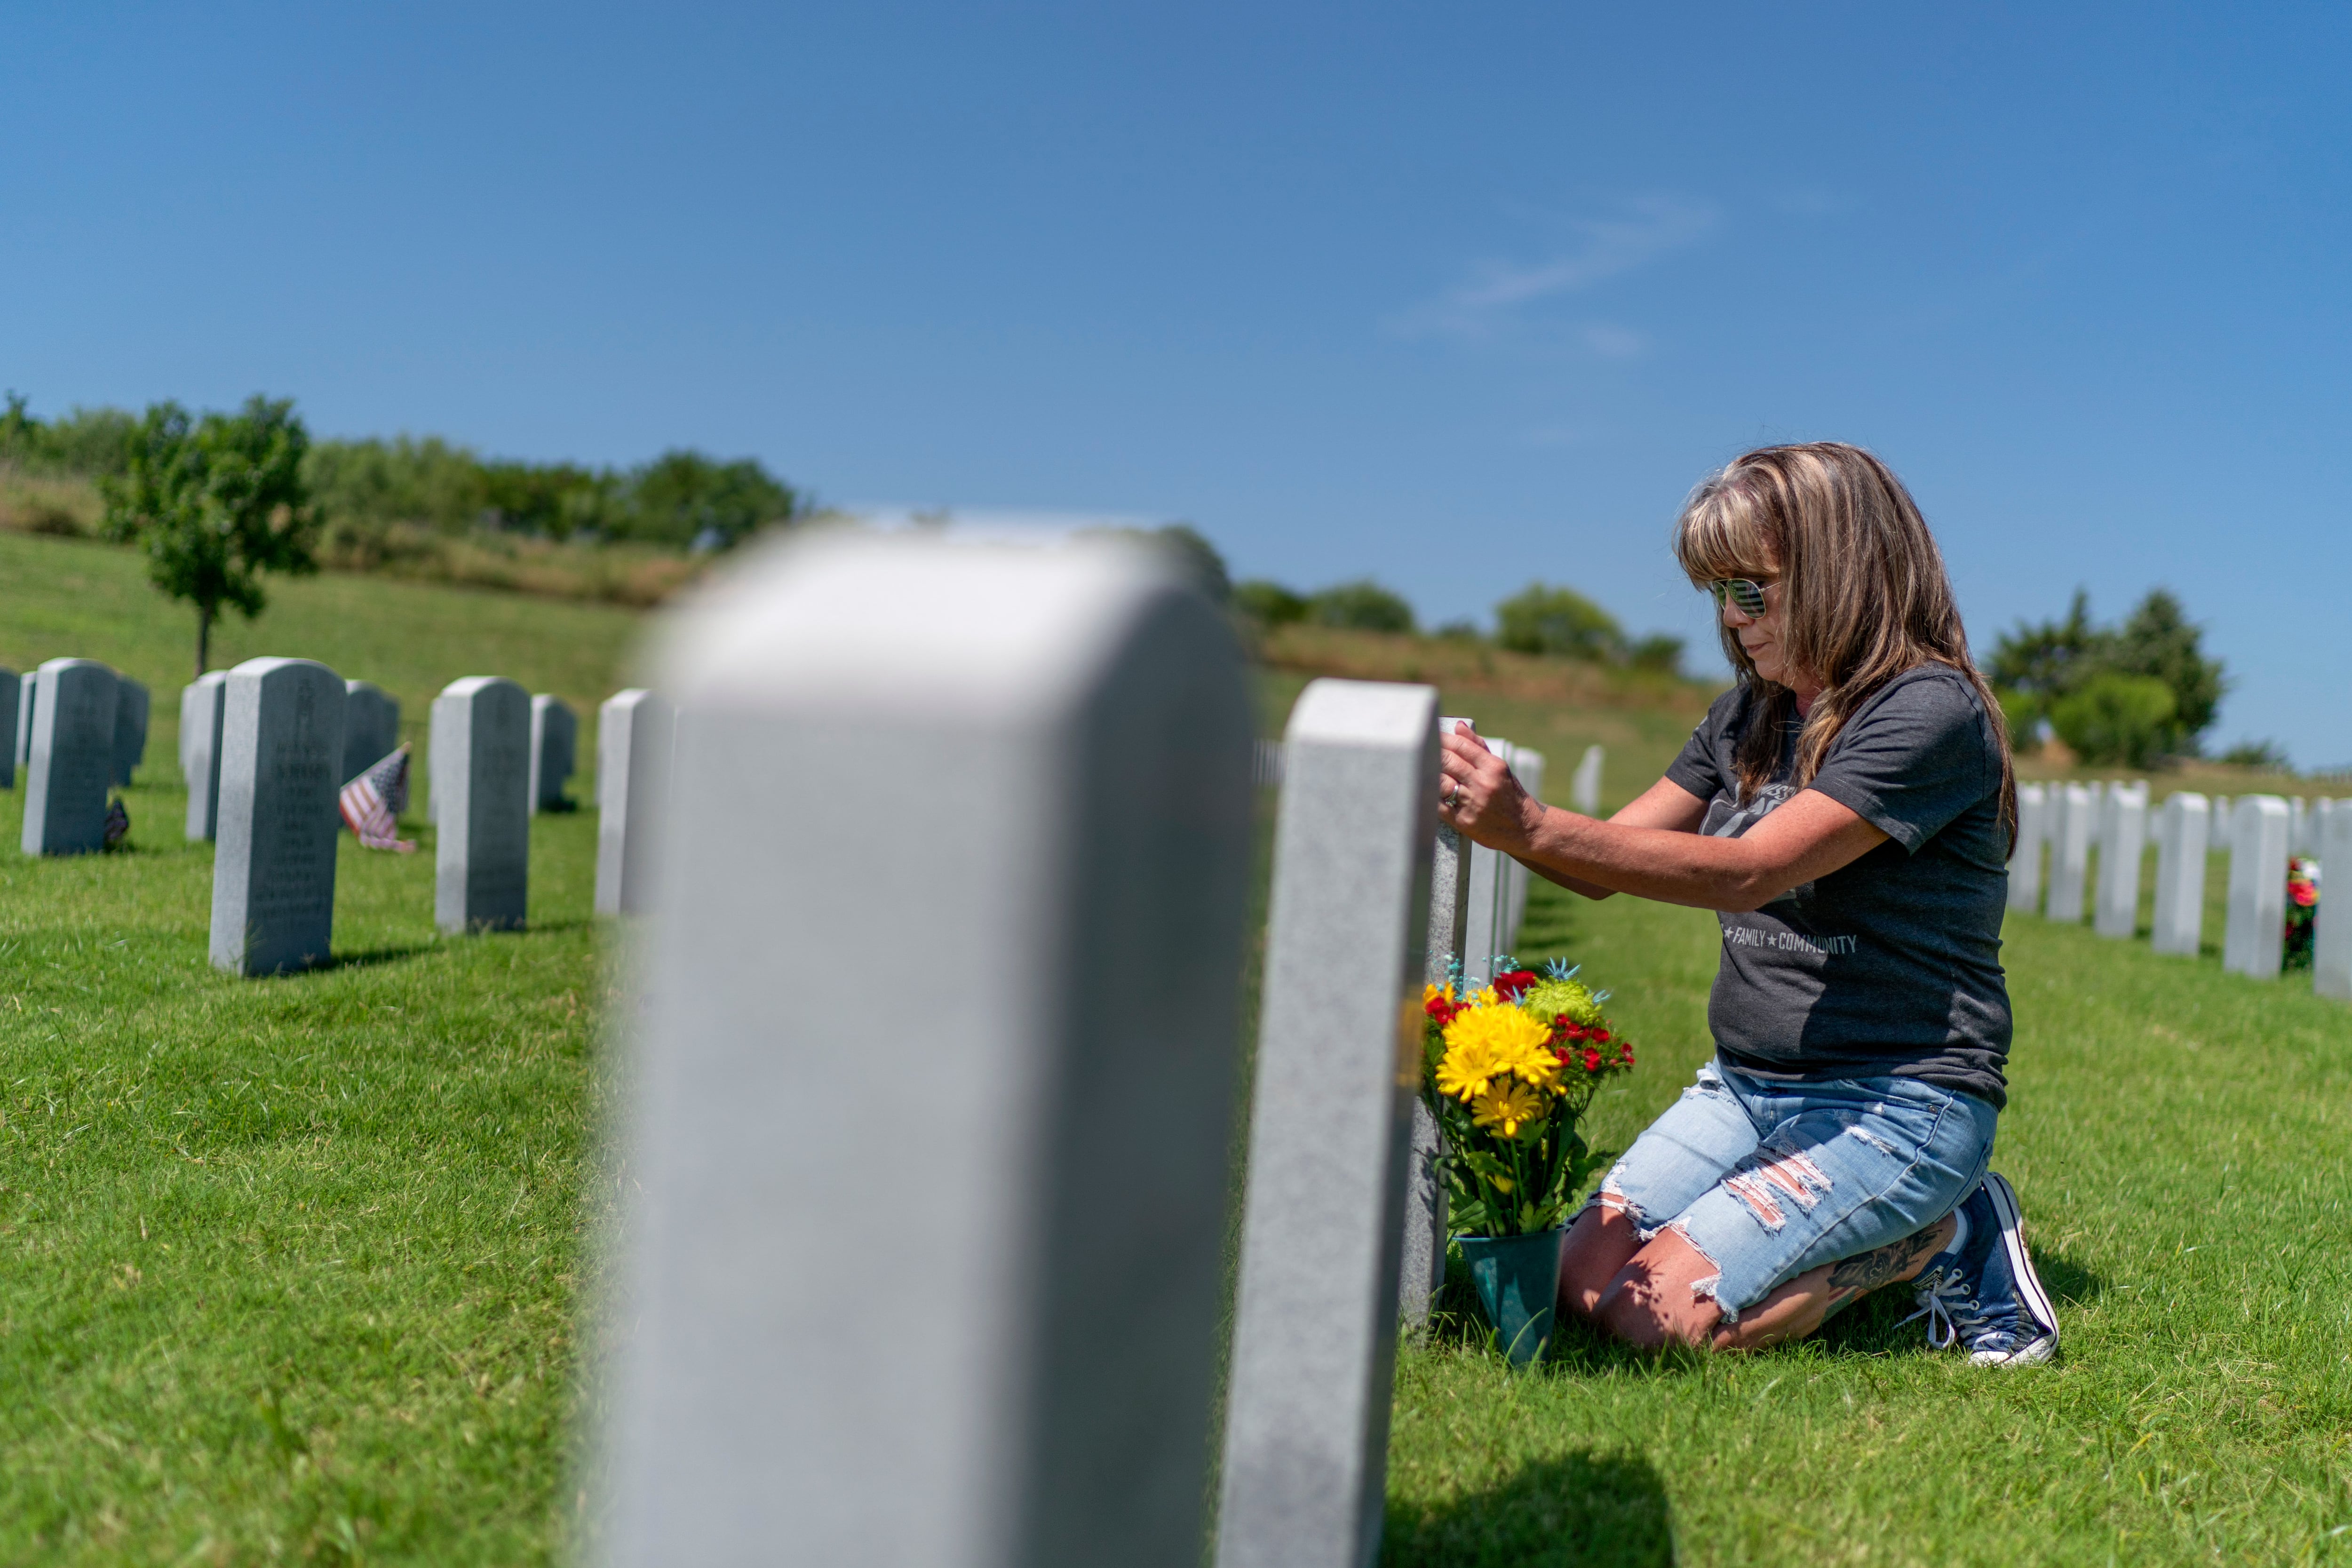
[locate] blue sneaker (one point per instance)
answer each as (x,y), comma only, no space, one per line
(1984,1295)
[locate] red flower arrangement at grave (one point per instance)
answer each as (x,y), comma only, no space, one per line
(2302,909)
(1508,1071)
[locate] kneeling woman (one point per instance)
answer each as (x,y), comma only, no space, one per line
(1848,808)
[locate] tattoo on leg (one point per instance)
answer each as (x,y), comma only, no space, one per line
(1869,1270)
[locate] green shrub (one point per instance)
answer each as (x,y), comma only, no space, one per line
(1562,623)
(1362,606)
(2113,718)
(1268,604)
(2267,756)
(1659,651)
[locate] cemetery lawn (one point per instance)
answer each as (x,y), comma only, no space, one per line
(288,1267)
(2182,1143)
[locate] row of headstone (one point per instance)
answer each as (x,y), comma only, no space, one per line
(2259,832)
(1073,725)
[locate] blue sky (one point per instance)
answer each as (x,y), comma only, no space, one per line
(1459,297)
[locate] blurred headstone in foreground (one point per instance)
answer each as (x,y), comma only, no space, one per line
(926,1240)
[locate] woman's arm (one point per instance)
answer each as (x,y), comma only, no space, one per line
(1808,837)
(1665,804)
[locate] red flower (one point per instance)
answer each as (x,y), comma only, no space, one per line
(2302,893)
(1599,1036)
(1510,986)
(1591,1060)
(1626,1053)
(1440,1009)
(1569,1029)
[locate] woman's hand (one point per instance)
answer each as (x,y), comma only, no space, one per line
(1478,796)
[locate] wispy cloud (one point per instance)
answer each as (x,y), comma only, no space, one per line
(1500,296)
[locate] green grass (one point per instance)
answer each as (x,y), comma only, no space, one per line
(2180,1139)
(292,1267)
(288,1267)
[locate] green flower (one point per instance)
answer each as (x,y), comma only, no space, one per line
(1548,999)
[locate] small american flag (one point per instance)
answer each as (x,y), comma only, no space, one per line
(372,804)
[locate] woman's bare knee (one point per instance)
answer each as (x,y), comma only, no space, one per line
(1664,1295)
(1596,1249)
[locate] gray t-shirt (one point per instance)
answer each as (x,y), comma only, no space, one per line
(1889,966)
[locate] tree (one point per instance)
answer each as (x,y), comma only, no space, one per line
(1659,651)
(1361,605)
(1267,602)
(2159,643)
(216,502)
(1561,622)
(2035,669)
(686,499)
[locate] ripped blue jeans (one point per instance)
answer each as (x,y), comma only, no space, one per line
(1771,1179)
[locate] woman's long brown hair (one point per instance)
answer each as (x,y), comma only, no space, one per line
(1867,594)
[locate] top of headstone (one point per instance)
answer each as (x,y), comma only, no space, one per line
(47,665)
(265,665)
(990,630)
(356,686)
(1374,712)
(468,685)
(210,678)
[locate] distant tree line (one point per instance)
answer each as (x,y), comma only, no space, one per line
(2135,693)
(218,499)
(682,500)
(1555,622)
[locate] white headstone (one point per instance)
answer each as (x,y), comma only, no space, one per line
(2123,844)
(1527,766)
(129,728)
(2301,836)
(11,688)
(1423,1269)
(2183,829)
(2025,856)
(1023,1370)
(632,751)
(481,773)
(2331,936)
(2070,852)
(554,752)
(72,758)
(28,687)
(1315,1319)
(200,752)
(1584,789)
(2255,938)
(1486,928)
(371,727)
(274,871)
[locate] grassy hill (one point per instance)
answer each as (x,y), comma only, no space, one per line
(61,598)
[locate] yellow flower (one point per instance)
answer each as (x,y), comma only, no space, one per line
(1507,1107)
(1494,1040)
(1432,992)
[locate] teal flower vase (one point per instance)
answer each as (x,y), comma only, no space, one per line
(1518,1279)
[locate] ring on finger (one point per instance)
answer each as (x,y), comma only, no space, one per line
(1452,796)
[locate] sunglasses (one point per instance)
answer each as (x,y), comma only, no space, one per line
(1744,592)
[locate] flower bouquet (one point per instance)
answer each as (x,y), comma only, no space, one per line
(1508,1071)
(2302,909)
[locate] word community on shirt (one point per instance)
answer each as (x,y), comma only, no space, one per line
(1827,946)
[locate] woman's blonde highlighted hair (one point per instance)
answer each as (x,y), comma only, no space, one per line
(1865,593)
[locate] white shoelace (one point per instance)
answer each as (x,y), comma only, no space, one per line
(1945,1303)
